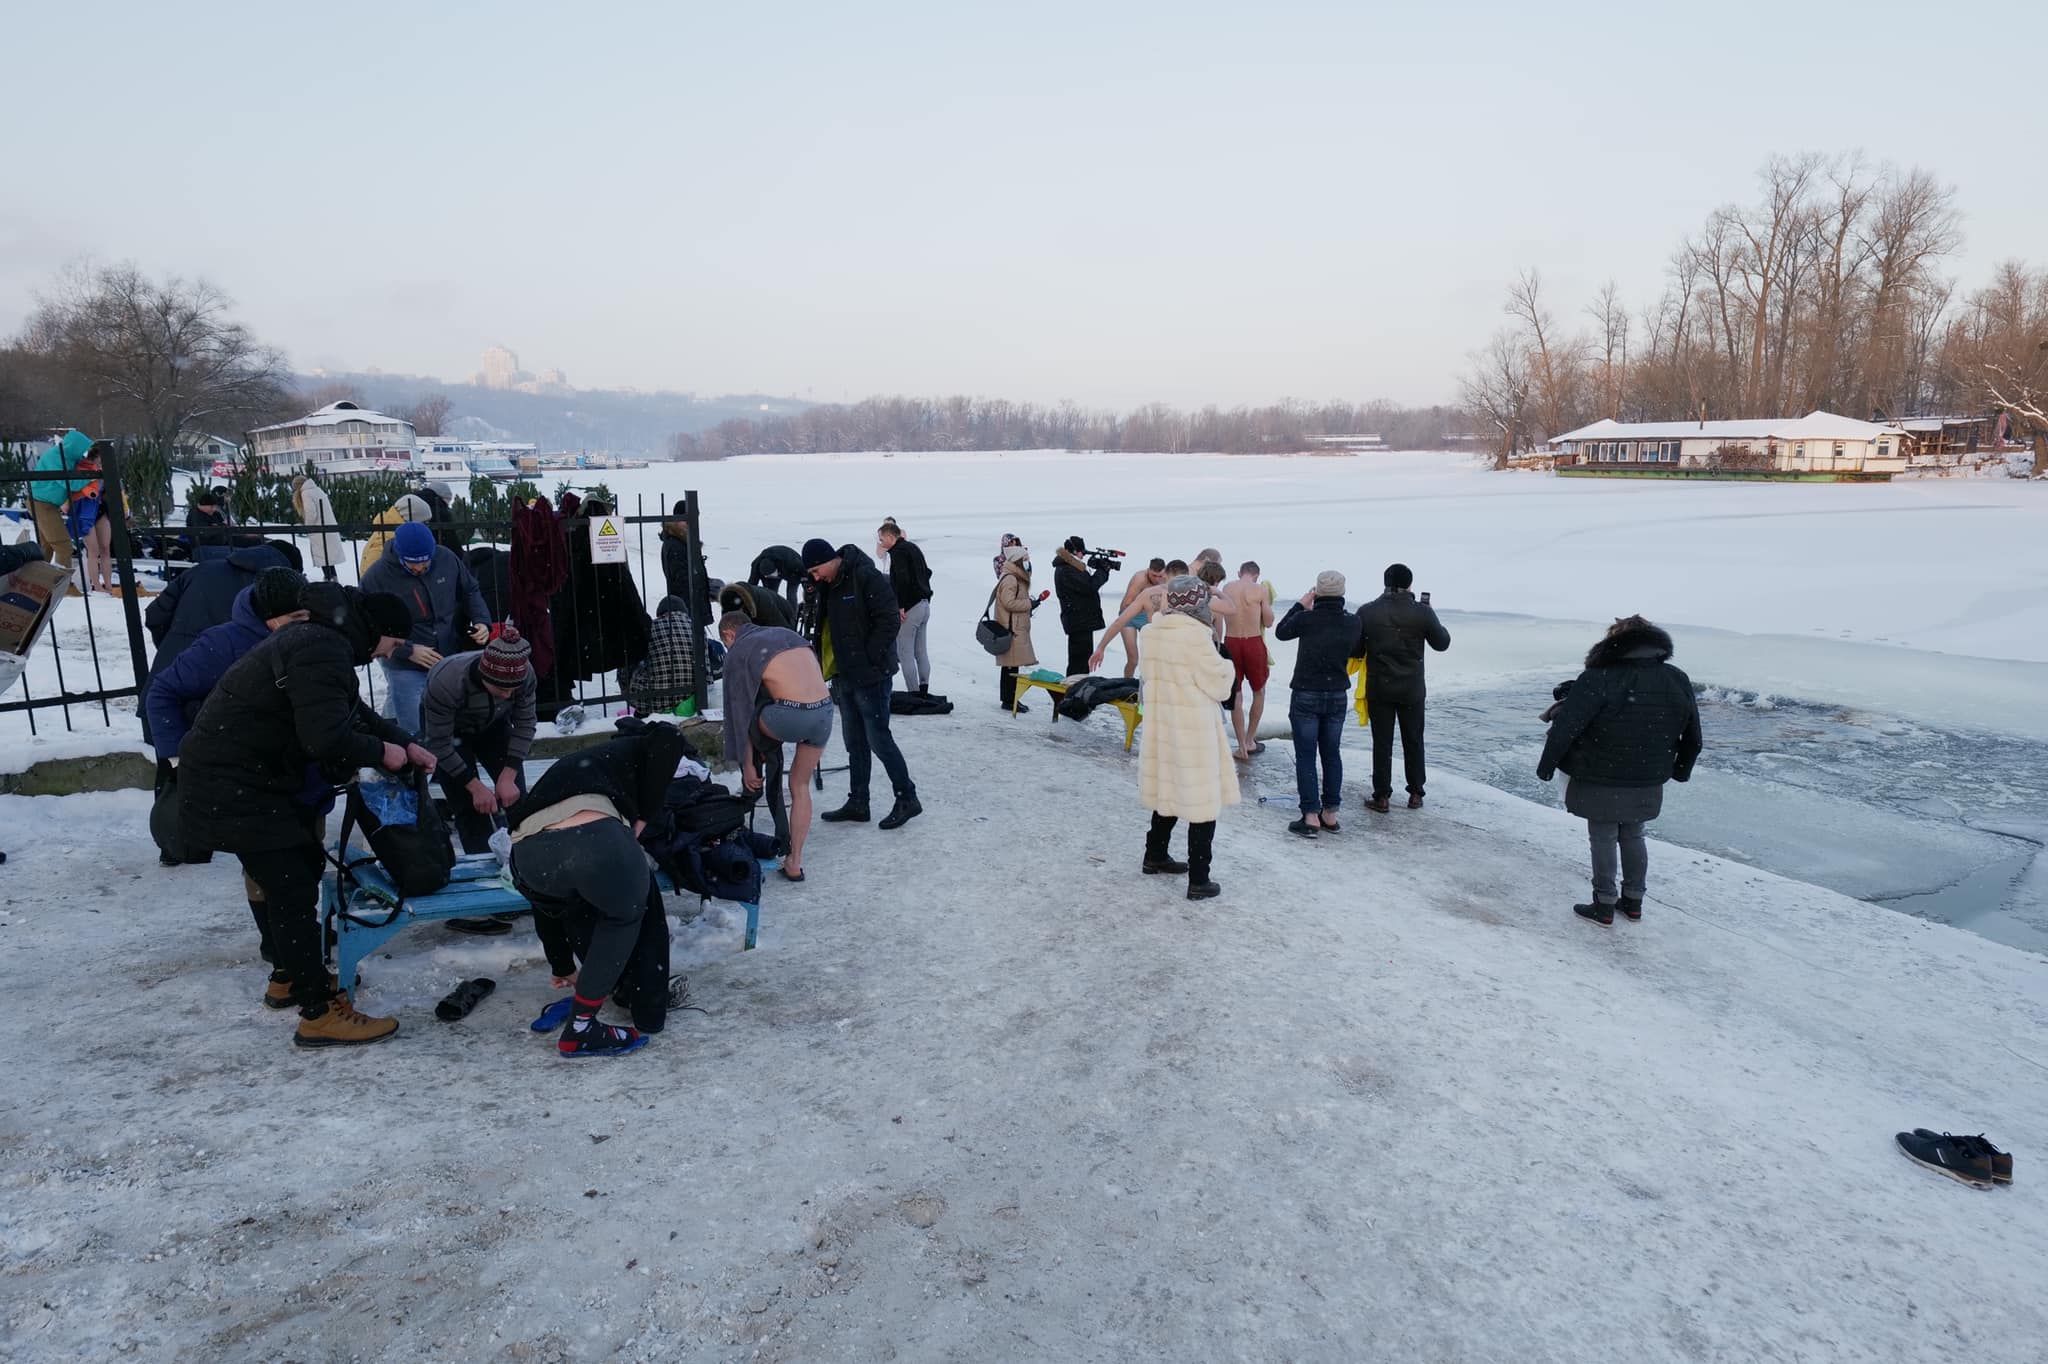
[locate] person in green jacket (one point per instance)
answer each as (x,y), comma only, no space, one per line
(52,497)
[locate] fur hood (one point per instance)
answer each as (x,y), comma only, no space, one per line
(1641,641)
(1066,556)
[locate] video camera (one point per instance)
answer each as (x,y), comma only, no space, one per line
(1111,559)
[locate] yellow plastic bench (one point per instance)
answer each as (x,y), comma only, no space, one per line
(1055,686)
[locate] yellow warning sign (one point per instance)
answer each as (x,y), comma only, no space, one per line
(607,545)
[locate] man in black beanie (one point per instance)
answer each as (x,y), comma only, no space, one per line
(858,620)
(290,702)
(1392,630)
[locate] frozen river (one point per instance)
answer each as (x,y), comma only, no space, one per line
(1875,658)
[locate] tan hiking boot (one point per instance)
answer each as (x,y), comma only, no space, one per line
(342,1026)
(277,991)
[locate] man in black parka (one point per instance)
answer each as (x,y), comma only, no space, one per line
(290,702)
(857,641)
(1392,630)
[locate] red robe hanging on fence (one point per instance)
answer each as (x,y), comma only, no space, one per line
(540,565)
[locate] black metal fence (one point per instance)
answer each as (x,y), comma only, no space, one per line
(164,552)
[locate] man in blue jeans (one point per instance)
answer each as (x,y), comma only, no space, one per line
(1320,698)
(447,606)
(857,624)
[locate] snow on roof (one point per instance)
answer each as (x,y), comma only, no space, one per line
(1812,426)
(334,414)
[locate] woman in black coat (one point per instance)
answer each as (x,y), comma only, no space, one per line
(290,703)
(1627,725)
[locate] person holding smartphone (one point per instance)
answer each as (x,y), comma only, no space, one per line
(1393,630)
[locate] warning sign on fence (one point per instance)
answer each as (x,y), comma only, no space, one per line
(607,545)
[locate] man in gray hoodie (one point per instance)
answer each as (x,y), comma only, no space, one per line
(478,721)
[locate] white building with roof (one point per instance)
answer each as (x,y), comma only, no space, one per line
(1817,443)
(340,439)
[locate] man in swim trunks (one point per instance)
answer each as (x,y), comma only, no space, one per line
(1143,595)
(775,694)
(1246,607)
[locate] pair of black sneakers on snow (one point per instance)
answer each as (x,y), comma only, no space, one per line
(1631,909)
(1968,1160)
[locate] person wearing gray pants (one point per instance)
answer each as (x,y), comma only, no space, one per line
(912,654)
(910,577)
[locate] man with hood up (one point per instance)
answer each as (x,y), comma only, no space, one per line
(858,621)
(50,496)
(289,702)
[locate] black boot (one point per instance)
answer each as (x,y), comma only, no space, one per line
(1631,909)
(924,689)
(1157,859)
(902,812)
(853,812)
(261,913)
(1201,844)
(1598,913)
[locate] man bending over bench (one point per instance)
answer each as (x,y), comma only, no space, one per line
(775,694)
(576,853)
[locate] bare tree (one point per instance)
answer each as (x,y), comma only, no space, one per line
(1610,318)
(1496,392)
(1915,223)
(1556,361)
(164,357)
(1770,235)
(1997,353)
(429,416)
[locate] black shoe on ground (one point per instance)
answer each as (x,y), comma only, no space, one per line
(2001,1161)
(164,859)
(1378,805)
(1164,866)
(902,812)
(1018,709)
(1203,890)
(1599,914)
(849,813)
(1966,1160)
(1632,910)
(492,927)
(1414,802)
(1302,828)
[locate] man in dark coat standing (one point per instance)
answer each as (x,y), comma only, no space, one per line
(1078,584)
(1392,630)
(441,593)
(289,702)
(1627,725)
(857,644)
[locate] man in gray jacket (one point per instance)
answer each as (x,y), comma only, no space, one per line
(479,723)
(446,604)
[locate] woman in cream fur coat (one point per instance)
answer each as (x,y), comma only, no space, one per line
(1184,769)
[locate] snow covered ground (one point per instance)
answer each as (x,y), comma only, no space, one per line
(986,1092)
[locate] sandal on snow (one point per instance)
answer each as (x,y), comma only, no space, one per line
(586,1037)
(555,1015)
(784,873)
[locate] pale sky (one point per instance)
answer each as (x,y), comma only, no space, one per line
(1114,203)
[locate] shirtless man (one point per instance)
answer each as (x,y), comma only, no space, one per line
(1145,594)
(1246,609)
(775,693)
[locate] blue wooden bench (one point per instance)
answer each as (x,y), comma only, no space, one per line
(376,913)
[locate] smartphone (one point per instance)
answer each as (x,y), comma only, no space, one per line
(1425,599)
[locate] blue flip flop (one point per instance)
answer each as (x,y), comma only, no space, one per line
(555,1015)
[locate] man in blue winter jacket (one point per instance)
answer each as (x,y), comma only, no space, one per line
(446,603)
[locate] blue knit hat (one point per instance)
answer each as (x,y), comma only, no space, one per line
(414,543)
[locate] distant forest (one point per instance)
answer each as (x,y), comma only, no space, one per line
(961,423)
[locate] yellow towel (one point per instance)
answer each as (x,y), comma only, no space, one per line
(1356,667)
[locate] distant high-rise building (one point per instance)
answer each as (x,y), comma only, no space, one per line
(501,368)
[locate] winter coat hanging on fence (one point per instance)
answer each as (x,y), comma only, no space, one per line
(540,565)
(315,508)
(600,623)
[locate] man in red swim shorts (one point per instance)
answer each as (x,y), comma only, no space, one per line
(1246,608)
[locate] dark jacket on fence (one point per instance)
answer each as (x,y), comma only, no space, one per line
(202,597)
(1079,589)
(441,600)
(861,613)
(492,569)
(457,706)
(600,624)
(675,574)
(1392,630)
(540,565)
(1326,631)
(910,577)
(668,675)
(632,772)
(289,702)
(443,516)
(1629,720)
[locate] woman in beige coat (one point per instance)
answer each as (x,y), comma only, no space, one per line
(1185,769)
(1013,611)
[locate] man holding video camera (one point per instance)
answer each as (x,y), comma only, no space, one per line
(1078,577)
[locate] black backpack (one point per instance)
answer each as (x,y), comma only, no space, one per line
(417,853)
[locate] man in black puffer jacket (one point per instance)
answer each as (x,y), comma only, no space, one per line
(1629,724)
(289,703)
(1392,630)
(203,596)
(1079,589)
(1320,699)
(857,641)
